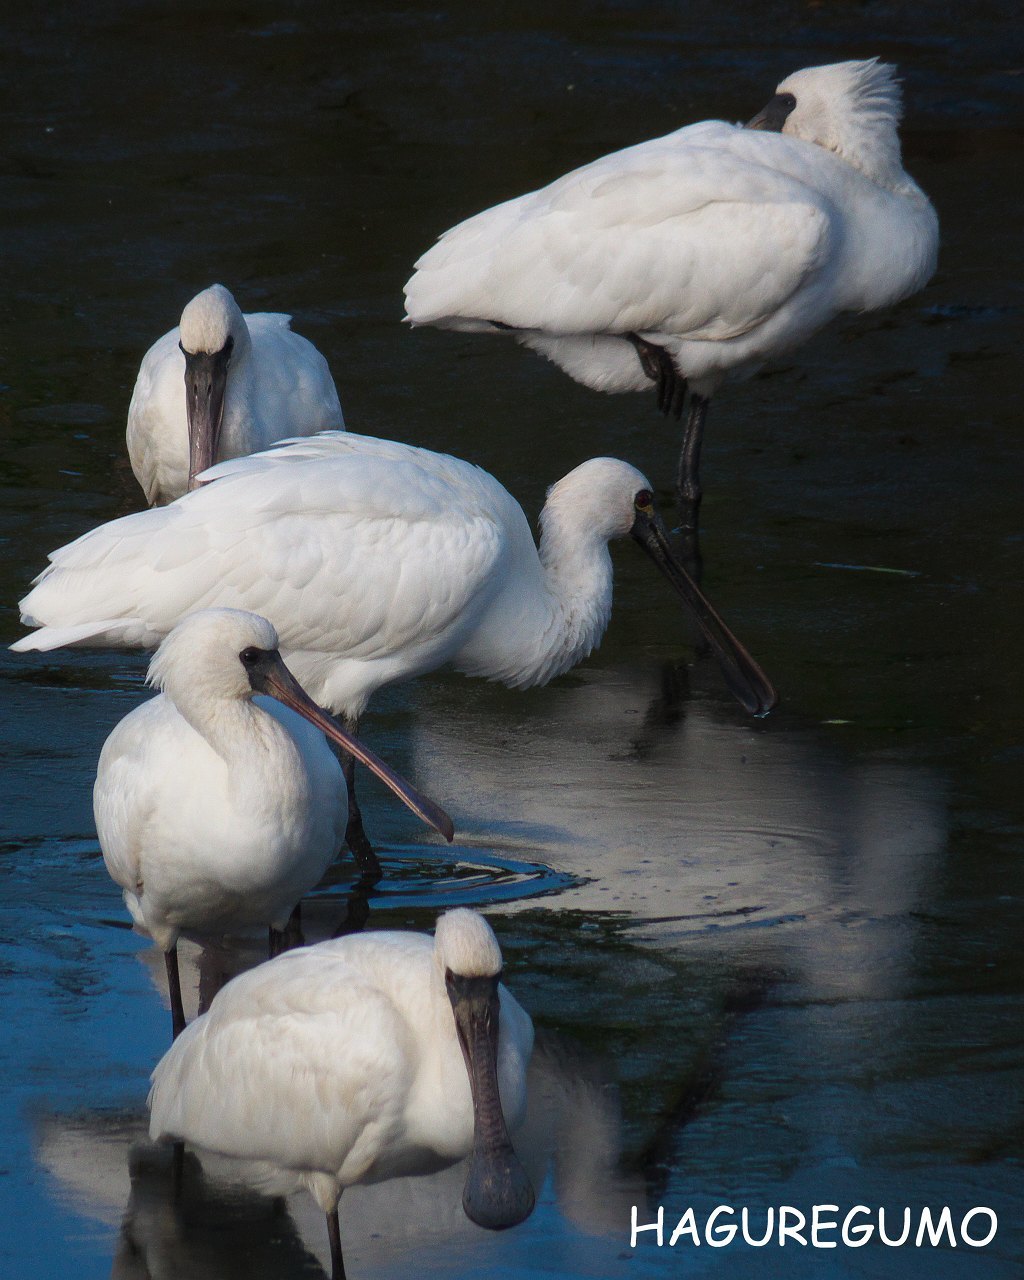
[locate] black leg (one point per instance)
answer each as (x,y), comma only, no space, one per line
(212,977)
(355,836)
(293,929)
(688,487)
(357,910)
(290,936)
(334,1235)
(657,364)
(174,989)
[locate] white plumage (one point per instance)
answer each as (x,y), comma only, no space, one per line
(376,562)
(702,254)
(216,811)
(277,385)
(358,1060)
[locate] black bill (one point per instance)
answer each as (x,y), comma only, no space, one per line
(498,1192)
(270,676)
(773,116)
(206,377)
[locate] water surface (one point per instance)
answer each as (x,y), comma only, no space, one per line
(772,963)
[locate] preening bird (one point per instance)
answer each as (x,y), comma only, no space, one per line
(700,255)
(376,562)
(222,385)
(358,1060)
(215,810)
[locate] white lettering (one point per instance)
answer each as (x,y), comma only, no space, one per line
(769,1230)
(865,1229)
(658,1226)
(818,1224)
(794,1232)
(967,1239)
(906,1229)
(686,1226)
(945,1223)
(725,1232)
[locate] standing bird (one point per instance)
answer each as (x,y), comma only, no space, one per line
(376,562)
(699,255)
(358,1060)
(219,386)
(214,811)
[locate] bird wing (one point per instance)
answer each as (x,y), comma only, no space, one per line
(682,235)
(123,795)
(348,551)
(291,375)
(157,408)
(303,1063)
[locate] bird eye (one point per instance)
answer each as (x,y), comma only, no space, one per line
(250,656)
(228,347)
(786,100)
(643,500)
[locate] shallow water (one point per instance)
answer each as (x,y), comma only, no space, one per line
(773,962)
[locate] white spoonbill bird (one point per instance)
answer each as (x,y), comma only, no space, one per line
(358,1060)
(216,811)
(222,385)
(376,562)
(699,255)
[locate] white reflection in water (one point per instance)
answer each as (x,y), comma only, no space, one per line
(698,826)
(569,1141)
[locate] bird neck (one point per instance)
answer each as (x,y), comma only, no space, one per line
(241,733)
(550,609)
(577,570)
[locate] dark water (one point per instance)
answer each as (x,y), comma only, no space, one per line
(773,963)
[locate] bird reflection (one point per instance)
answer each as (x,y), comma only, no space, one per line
(199,1231)
(206,964)
(213,1225)
(696,829)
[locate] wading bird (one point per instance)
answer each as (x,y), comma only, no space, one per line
(376,562)
(358,1060)
(700,255)
(216,812)
(219,386)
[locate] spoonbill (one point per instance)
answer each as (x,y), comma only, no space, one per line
(357,1060)
(222,385)
(697,256)
(376,562)
(215,811)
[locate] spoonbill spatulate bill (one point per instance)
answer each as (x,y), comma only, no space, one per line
(358,1060)
(700,255)
(376,562)
(220,385)
(216,810)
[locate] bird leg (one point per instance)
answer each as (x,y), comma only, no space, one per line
(293,929)
(334,1235)
(657,364)
(290,936)
(355,836)
(688,488)
(174,991)
(357,910)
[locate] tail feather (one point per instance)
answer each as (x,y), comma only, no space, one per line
(116,631)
